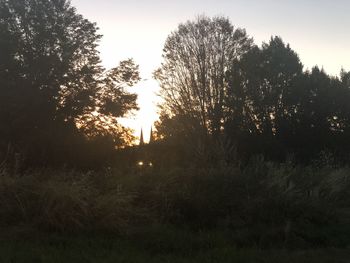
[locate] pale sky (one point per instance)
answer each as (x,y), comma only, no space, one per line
(316,29)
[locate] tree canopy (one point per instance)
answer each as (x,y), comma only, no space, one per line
(58,103)
(193,75)
(215,81)
(52,81)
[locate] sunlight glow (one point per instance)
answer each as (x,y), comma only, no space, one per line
(147,115)
(138,29)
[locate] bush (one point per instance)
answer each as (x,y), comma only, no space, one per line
(263,204)
(64,201)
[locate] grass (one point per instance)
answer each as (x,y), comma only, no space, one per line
(202,247)
(262,213)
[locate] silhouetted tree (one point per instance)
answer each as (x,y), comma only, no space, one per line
(192,76)
(262,99)
(323,119)
(51,78)
(276,108)
(111,100)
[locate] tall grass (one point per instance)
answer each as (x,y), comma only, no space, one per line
(64,201)
(263,205)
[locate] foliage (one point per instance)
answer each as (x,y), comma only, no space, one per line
(192,76)
(261,101)
(265,205)
(240,127)
(206,247)
(65,201)
(52,81)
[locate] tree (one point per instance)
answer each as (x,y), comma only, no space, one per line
(111,101)
(264,80)
(262,97)
(323,119)
(51,77)
(193,75)
(276,108)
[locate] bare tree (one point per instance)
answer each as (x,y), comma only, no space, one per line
(193,75)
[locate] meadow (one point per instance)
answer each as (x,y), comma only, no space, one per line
(264,212)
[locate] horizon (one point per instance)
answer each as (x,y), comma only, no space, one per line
(142,32)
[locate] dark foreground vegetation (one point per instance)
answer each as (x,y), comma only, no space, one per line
(250,162)
(207,248)
(262,212)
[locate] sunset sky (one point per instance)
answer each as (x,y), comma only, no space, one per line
(316,29)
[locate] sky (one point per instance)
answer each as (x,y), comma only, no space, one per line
(316,29)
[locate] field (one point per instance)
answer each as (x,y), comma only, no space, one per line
(180,247)
(263,213)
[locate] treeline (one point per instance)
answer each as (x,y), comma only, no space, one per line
(225,98)
(221,89)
